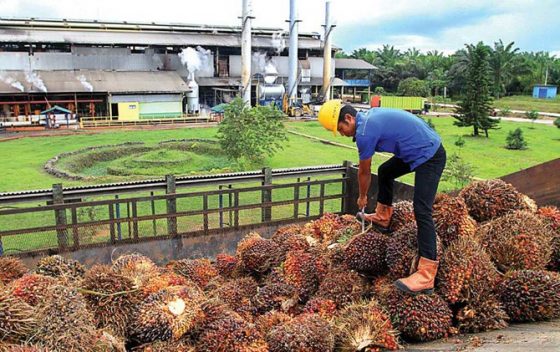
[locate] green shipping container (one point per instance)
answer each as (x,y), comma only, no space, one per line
(404,103)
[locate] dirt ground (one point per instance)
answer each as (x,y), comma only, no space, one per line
(541,337)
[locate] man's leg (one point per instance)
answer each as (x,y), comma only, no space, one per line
(387,173)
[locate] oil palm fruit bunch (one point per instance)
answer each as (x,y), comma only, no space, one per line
(466,272)
(182,345)
(58,266)
(167,314)
(226,265)
(64,321)
(324,229)
(166,279)
(342,287)
(365,325)
(365,253)
(289,240)
(401,251)
(531,295)
(32,288)
(306,332)
(419,317)
(326,308)
(137,267)
(481,314)
(111,297)
(451,218)
(269,320)
(518,240)
(199,271)
(11,268)
(349,228)
(275,294)
(238,295)
(304,270)
(258,255)
(490,199)
(403,214)
(17,318)
(551,216)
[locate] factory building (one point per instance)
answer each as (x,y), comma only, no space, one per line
(131,71)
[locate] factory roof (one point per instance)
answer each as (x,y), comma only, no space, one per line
(354,64)
(236,81)
(70,81)
(114,33)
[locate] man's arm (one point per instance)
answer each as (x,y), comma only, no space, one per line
(364,179)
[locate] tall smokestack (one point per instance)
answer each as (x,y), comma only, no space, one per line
(327,52)
(293,57)
(246,52)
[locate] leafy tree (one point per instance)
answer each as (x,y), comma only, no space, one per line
(248,134)
(474,109)
(557,122)
(458,171)
(515,140)
(460,142)
(532,115)
(413,87)
(504,63)
(379,90)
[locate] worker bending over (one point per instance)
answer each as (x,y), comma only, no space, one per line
(417,148)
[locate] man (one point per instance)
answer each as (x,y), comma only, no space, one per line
(416,148)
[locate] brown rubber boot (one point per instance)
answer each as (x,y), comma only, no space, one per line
(382,215)
(422,281)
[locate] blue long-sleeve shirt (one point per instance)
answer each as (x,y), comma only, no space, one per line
(398,132)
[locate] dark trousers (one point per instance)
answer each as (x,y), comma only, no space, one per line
(426,180)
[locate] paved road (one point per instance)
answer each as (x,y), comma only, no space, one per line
(541,337)
(505,118)
(543,113)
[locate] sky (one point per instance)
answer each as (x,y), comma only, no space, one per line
(444,25)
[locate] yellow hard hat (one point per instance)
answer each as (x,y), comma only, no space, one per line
(328,114)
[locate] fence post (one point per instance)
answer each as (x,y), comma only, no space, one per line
(60,217)
(266,194)
(348,188)
(171,205)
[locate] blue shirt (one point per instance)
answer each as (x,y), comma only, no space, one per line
(399,132)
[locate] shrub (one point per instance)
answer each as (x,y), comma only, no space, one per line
(413,87)
(533,115)
(379,90)
(557,122)
(505,111)
(458,171)
(460,142)
(515,140)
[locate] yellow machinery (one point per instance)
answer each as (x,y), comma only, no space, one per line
(297,109)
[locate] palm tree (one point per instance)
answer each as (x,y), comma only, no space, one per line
(505,64)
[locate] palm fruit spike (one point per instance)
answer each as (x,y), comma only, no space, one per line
(466,272)
(237,294)
(420,317)
(62,308)
(11,268)
(349,228)
(365,253)
(481,315)
(269,320)
(451,218)
(326,308)
(199,271)
(32,288)
(167,346)
(276,294)
(17,318)
(226,265)
(258,255)
(401,250)
(518,240)
(21,348)
(342,287)
(551,216)
(169,313)
(490,199)
(137,267)
(164,280)
(111,297)
(324,229)
(403,214)
(305,271)
(289,241)
(58,266)
(307,332)
(231,334)
(365,326)
(531,295)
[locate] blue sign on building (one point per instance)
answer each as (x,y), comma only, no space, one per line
(542,91)
(358,82)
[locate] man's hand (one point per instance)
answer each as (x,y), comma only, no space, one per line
(362,202)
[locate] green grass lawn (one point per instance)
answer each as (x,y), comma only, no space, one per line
(527,103)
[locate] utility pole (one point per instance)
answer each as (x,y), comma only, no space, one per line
(246,51)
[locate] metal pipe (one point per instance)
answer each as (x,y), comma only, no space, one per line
(293,53)
(327,53)
(246,52)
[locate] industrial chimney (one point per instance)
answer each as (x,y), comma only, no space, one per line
(246,52)
(327,53)
(293,53)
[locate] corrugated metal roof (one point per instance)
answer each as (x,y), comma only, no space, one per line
(318,81)
(236,81)
(355,64)
(137,38)
(70,81)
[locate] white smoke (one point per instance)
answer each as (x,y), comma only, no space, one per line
(265,65)
(198,59)
(278,42)
(35,80)
(11,81)
(85,83)
(259,62)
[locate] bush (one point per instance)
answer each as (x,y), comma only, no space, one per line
(515,140)
(413,87)
(533,115)
(460,142)
(248,134)
(457,171)
(431,124)
(505,111)
(557,122)
(379,90)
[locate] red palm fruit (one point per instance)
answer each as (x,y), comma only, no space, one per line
(226,265)
(258,255)
(403,214)
(11,268)
(481,315)
(305,271)
(451,218)
(199,271)
(365,253)
(307,332)
(326,308)
(238,295)
(342,287)
(32,288)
